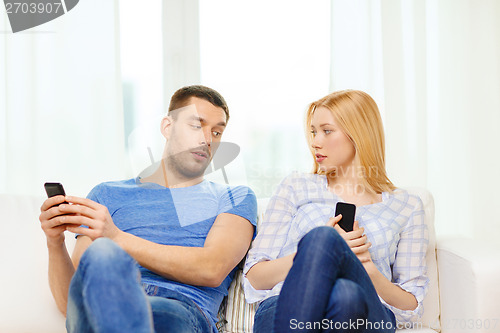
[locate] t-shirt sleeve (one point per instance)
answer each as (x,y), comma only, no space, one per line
(96,193)
(240,201)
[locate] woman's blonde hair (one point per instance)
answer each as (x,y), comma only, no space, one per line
(358,116)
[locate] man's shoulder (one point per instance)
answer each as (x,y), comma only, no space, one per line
(222,190)
(119,183)
(111,186)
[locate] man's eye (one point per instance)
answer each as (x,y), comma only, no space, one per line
(215,133)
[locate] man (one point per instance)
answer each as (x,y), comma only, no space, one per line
(154,254)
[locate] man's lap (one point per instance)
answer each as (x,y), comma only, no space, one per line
(105,270)
(172,309)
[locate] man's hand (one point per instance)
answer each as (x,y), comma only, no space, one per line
(51,224)
(88,213)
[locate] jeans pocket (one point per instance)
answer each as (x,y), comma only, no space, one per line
(151,290)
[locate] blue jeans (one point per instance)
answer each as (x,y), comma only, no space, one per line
(326,290)
(106,295)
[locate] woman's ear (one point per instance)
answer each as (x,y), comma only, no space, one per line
(165,126)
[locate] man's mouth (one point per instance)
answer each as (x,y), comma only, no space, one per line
(200,155)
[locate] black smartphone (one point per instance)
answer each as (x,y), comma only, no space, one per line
(348,212)
(54,189)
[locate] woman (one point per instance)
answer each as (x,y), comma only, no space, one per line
(309,274)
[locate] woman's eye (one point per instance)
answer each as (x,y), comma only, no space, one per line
(196,126)
(328,131)
(313,133)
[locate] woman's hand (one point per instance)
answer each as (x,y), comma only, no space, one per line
(355,238)
(366,260)
(357,242)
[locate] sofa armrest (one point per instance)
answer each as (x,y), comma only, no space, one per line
(469,276)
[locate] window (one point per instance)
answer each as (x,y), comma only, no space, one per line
(269,60)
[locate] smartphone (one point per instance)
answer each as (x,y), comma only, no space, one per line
(348,212)
(54,189)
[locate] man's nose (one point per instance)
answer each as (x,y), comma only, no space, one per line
(206,137)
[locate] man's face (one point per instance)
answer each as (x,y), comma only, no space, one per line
(193,135)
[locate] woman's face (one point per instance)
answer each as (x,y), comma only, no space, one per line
(333,149)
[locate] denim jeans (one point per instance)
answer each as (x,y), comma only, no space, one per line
(106,295)
(326,290)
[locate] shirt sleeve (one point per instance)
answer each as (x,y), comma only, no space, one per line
(410,268)
(95,193)
(272,236)
(241,201)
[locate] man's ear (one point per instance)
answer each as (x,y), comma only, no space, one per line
(166,126)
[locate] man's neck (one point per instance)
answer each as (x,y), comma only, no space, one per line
(165,177)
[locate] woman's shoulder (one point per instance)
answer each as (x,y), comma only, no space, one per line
(301,185)
(406,199)
(298,178)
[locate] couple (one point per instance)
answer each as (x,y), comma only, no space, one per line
(157,254)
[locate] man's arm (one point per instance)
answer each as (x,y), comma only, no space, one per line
(226,244)
(61,269)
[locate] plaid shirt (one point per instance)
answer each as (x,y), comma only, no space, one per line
(395,227)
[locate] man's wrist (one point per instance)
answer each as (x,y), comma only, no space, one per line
(55,242)
(119,238)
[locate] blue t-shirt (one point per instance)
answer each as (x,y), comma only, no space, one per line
(176,216)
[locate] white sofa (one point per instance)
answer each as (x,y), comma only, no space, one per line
(465,296)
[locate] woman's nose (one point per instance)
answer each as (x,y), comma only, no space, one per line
(316,142)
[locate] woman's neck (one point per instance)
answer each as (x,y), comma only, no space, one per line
(350,185)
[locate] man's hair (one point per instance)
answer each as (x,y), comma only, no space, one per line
(181,98)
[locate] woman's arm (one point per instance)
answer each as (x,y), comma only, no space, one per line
(409,280)
(264,267)
(266,274)
(390,292)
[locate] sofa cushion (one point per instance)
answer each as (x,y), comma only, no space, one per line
(24,282)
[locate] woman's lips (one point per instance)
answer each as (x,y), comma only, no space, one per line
(320,158)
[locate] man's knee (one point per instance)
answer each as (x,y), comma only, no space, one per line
(104,253)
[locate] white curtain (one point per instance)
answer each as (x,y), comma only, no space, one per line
(432,66)
(434,69)
(61,113)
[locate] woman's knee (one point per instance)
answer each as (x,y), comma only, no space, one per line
(321,237)
(264,316)
(348,297)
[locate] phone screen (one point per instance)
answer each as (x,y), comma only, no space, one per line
(54,189)
(348,212)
